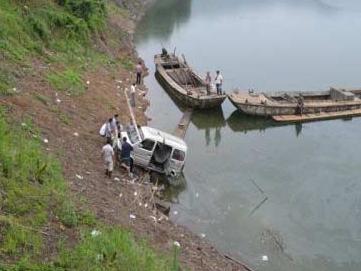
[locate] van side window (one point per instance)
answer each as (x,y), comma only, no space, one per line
(147,144)
(178,155)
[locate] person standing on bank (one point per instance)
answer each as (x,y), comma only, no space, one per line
(219,81)
(108,130)
(108,154)
(208,81)
(132,95)
(139,72)
(125,156)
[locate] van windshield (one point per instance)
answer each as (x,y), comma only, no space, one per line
(178,155)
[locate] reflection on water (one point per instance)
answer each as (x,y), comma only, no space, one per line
(166,16)
(308,215)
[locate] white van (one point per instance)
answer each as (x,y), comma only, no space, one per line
(156,150)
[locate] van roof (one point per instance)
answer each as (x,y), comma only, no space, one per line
(160,136)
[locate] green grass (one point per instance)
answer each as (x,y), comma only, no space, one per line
(56,31)
(68,81)
(33,195)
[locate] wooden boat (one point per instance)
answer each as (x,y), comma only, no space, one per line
(183,83)
(299,106)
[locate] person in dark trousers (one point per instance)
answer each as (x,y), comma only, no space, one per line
(139,71)
(219,82)
(125,156)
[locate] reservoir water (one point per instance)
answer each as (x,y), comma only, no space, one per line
(291,192)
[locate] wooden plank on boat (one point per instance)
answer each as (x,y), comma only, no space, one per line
(183,124)
(317,116)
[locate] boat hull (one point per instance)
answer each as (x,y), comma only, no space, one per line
(274,110)
(180,94)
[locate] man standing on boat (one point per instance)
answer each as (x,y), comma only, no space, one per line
(208,81)
(219,81)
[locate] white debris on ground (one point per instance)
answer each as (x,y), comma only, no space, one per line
(46,141)
(23,124)
(265,258)
(177,244)
(95,233)
(175,212)
(202,235)
(58,100)
(76,134)
(87,82)
(116,179)
(197,195)
(79,176)
(131,216)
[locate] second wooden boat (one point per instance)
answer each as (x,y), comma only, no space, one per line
(320,103)
(183,83)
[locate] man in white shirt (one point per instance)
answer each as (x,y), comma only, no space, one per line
(219,81)
(108,154)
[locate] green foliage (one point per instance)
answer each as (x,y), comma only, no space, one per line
(69,81)
(113,249)
(127,63)
(91,11)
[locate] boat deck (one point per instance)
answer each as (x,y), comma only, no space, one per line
(317,116)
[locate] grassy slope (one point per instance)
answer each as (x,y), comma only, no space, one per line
(35,207)
(62,36)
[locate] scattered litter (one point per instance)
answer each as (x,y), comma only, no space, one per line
(119,81)
(175,212)
(131,216)
(99,257)
(48,149)
(95,233)
(118,87)
(146,205)
(120,195)
(197,195)
(202,235)
(176,243)
(154,218)
(265,258)
(79,176)
(140,204)
(56,94)
(88,173)
(14,89)
(116,179)
(87,82)
(135,193)
(45,140)
(139,107)
(23,124)
(76,134)
(58,100)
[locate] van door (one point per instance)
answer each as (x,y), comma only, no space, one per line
(176,163)
(143,152)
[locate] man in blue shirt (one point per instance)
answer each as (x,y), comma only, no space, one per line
(125,155)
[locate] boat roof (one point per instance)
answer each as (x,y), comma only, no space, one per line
(160,136)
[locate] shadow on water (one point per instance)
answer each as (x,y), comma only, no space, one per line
(239,122)
(165,16)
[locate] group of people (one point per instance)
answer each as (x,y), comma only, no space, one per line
(218,81)
(116,147)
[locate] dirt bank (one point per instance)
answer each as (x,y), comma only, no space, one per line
(71,125)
